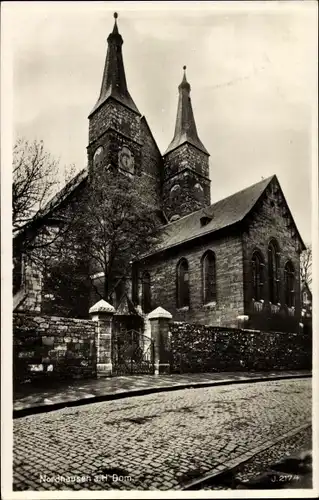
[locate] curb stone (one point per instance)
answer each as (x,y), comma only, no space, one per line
(44,408)
(234,464)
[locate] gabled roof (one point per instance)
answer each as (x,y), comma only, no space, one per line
(59,197)
(143,120)
(219,215)
(56,200)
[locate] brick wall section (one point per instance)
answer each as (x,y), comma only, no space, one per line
(52,347)
(229,266)
(268,221)
(200,348)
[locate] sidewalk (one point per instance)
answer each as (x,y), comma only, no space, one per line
(29,400)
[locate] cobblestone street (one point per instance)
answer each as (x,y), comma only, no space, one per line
(158,441)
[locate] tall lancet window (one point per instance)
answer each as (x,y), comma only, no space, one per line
(209,277)
(273,272)
(146,292)
(182,284)
(289,284)
(257,275)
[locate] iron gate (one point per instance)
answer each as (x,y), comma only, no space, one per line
(132,354)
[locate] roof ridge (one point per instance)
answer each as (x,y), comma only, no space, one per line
(244,189)
(64,188)
(218,201)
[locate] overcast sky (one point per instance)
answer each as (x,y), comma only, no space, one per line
(252,69)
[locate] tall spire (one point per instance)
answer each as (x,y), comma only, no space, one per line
(114,81)
(185,128)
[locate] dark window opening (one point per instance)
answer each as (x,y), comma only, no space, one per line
(146,293)
(205,220)
(273,272)
(17,278)
(182,284)
(209,277)
(258,276)
(289,284)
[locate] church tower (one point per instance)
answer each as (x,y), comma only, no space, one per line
(115,121)
(186,185)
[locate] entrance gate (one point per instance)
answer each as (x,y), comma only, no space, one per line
(132,353)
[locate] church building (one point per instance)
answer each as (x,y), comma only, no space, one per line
(230,263)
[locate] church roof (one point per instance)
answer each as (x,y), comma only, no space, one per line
(185,127)
(114,80)
(55,201)
(219,215)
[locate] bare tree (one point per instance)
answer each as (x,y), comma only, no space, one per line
(35,180)
(115,224)
(306,266)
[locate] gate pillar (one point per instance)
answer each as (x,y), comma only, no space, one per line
(159,319)
(102,312)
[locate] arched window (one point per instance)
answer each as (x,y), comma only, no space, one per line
(257,275)
(18,271)
(209,277)
(98,157)
(199,192)
(273,272)
(289,284)
(175,192)
(146,292)
(174,197)
(182,284)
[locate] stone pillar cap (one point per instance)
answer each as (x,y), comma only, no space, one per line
(159,312)
(102,307)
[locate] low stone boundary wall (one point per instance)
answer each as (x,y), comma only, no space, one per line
(198,348)
(52,347)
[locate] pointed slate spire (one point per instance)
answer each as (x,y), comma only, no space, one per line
(114,81)
(185,128)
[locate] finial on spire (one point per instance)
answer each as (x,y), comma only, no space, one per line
(115,29)
(185,84)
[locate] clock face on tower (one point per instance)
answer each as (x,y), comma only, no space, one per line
(126,160)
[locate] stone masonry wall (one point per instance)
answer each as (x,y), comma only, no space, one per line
(267,222)
(152,163)
(114,126)
(52,347)
(185,193)
(200,348)
(186,156)
(115,115)
(186,167)
(229,266)
(31,287)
